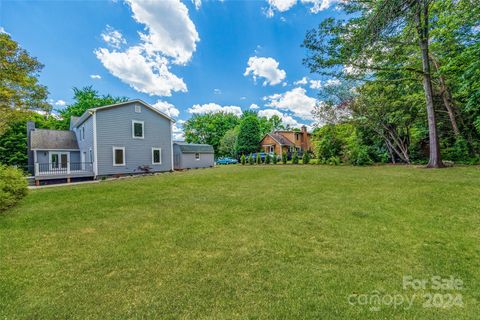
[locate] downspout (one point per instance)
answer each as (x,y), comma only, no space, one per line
(171,144)
(95,156)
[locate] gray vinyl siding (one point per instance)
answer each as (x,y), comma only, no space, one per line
(85,144)
(114,128)
(188,161)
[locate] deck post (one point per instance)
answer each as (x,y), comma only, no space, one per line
(37,183)
(68,167)
(36,169)
(68,180)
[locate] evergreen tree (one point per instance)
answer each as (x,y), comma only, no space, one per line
(250,159)
(259,159)
(306,158)
(284,158)
(249,135)
(295,157)
(242,159)
(274,158)
(267,159)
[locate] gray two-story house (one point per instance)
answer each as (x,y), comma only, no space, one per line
(125,138)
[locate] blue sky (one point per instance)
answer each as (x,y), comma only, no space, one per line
(183,57)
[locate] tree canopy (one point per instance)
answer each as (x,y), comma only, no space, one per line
(20,89)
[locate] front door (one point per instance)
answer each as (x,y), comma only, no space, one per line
(58,160)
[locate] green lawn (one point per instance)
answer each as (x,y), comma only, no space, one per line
(245,242)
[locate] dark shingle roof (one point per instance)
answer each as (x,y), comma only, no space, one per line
(53,139)
(194,148)
(281,139)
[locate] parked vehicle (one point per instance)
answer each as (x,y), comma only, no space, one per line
(262,155)
(227,160)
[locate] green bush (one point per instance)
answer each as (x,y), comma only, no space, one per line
(258,160)
(267,159)
(250,159)
(243,160)
(335,161)
(13,187)
(295,157)
(306,158)
(274,158)
(284,158)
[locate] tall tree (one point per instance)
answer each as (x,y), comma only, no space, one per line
(249,135)
(228,143)
(20,90)
(209,128)
(84,99)
(369,44)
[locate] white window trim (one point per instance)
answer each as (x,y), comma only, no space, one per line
(133,129)
(138,108)
(124,156)
(198,156)
(160,150)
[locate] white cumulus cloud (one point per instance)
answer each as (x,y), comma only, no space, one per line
(169,28)
(197,3)
(266,68)
(286,119)
(284,5)
(113,37)
(254,106)
(178,133)
(147,74)
(214,108)
(60,103)
(295,100)
(315,84)
(95,76)
(169,36)
(167,108)
(2,30)
(302,81)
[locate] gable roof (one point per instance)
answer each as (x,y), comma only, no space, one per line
(194,147)
(91,111)
(280,139)
(43,139)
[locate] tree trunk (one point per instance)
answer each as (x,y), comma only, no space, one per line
(435,160)
(447,98)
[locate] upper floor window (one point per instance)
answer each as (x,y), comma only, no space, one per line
(297,136)
(83,132)
(137,129)
(138,108)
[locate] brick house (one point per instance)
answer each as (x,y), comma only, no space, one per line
(286,141)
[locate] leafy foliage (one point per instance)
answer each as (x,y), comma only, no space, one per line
(284,158)
(84,99)
(210,128)
(249,135)
(20,90)
(295,157)
(13,187)
(243,159)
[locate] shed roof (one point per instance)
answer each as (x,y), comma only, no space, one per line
(43,139)
(194,148)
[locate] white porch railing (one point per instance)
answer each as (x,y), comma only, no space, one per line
(65,168)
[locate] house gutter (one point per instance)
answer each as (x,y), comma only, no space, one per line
(95,156)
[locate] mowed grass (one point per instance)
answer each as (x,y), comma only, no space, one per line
(253,242)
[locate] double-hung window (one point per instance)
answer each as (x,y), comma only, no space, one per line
(118,156)
(138,129)
(156,156)
(197,156)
